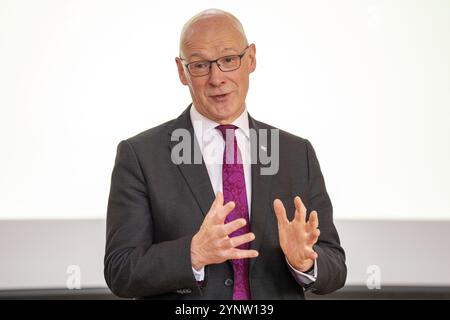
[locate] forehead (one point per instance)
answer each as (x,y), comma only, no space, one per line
(211,37)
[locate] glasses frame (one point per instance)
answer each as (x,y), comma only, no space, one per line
(216,62)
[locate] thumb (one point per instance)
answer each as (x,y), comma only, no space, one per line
(280,212)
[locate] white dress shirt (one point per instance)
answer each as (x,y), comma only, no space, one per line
(212,146)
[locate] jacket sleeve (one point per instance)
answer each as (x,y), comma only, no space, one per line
(135,266)
(331,268)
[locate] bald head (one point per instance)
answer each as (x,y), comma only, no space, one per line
(208,21)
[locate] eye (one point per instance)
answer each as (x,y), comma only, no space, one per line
(199,65)
(230,60)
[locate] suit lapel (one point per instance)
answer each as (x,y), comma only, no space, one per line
(261,202)
(195,175)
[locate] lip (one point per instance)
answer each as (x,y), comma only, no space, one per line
(220,94)
(220,97)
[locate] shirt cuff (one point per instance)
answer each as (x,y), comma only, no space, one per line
(200,274)
(302,278)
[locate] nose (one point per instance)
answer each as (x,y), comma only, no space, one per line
(216,76)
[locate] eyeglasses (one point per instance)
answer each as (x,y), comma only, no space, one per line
(226,64)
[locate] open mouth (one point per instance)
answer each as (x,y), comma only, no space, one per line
(220,97)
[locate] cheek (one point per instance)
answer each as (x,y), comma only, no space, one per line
(242,83)
(197,88)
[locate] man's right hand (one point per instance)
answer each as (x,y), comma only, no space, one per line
(212,244)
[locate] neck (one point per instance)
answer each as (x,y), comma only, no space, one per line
(222,121)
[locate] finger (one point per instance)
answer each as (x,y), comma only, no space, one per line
(300,209)
(313,220)
(234,225)
(219,198)
(316,233)
(237,241)
(280,212)
(312,255)
(224,211)
(243,254)
(217,203)
(313,237)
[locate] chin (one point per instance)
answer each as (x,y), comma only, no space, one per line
(224,111)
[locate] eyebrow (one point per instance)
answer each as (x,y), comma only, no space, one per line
(201,56)
(228,49)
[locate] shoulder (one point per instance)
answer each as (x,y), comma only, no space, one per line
(286,138)
(159,135)
(151,137)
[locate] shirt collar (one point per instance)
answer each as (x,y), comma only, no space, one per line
(203,125)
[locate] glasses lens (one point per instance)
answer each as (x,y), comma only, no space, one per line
(199,68)
(229,63)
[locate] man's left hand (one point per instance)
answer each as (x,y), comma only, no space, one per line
(298,236)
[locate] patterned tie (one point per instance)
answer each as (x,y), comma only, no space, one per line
(234,190)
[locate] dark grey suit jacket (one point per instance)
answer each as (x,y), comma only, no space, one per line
(156,206)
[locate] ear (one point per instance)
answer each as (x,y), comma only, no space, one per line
(252,57)
(181,73)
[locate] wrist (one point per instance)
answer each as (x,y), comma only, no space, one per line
(195,256)
(197,266)
(303,266)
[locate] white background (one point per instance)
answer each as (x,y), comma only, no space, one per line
(367,82)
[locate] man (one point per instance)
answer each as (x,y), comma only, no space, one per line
(213,229)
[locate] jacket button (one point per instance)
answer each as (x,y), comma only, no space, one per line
(228,282)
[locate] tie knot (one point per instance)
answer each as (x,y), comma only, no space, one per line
(223,128)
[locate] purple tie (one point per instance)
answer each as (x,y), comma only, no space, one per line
(234,190)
